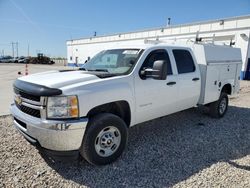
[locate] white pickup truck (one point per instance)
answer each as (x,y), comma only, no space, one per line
(89,110)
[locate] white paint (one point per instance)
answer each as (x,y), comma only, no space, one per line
(149,98)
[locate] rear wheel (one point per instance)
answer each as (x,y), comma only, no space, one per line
(104,140)
(218,108)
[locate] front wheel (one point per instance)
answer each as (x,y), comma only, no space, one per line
(104,140)
(218,108)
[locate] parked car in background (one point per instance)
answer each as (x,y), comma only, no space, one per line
(14,60)
(23,59)
(5,59)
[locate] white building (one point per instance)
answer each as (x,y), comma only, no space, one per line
(224,31)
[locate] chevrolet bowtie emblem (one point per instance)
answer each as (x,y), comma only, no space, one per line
(18,99)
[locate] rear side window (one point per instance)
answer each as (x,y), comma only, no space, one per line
(184,61)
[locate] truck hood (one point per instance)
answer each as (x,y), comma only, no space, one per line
(58,79)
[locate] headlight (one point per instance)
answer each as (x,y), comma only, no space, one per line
(62,107)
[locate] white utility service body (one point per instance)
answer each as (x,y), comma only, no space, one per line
(219,65)
(134,96)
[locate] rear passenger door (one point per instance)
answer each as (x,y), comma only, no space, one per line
(189,79)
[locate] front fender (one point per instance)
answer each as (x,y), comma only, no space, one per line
(103,92)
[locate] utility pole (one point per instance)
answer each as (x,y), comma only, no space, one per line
(28,49)
(16,49)
(12,44)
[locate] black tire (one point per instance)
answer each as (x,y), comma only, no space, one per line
(214,108)
(96,125)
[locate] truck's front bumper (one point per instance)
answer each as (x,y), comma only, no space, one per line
(50,134)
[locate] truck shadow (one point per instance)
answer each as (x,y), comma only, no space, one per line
(168,150)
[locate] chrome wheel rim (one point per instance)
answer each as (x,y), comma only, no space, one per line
(223,105)
(107,141)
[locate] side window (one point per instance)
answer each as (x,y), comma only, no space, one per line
(184,61)
(155,56)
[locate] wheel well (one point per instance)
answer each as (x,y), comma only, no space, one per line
(119,108)
(227,89)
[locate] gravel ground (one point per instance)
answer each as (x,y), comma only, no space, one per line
(186,149)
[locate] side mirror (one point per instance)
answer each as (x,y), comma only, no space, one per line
(158,72)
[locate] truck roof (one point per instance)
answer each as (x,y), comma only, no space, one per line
(176,44)
(205,53)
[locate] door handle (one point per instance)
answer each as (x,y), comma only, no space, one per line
(195,79)
(171,83)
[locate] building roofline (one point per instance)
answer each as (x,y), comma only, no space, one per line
(166,27)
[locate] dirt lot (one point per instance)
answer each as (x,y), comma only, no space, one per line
(9,72)
(187,149)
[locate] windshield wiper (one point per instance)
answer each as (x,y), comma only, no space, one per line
(98,70)
(82,68)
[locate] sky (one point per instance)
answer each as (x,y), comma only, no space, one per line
(45,25)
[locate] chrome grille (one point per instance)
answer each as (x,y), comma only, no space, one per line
(28,110)
(26,95)
(28,104)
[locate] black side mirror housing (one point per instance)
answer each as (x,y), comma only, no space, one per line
(158,72)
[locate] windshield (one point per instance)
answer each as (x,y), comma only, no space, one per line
(118,61)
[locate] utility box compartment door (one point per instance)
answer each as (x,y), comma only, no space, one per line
(228,71)
(211,87)
(237,79)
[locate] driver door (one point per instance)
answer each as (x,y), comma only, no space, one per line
(156,98)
